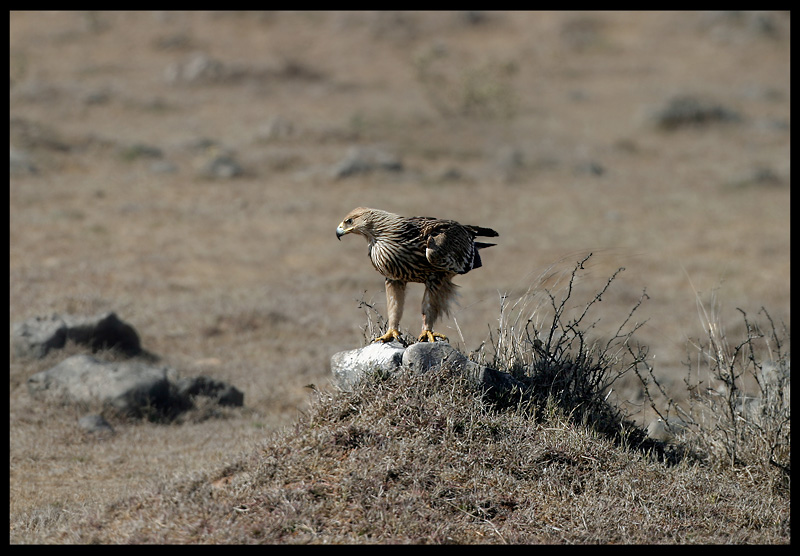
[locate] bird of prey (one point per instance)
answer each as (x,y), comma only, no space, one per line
(416,249)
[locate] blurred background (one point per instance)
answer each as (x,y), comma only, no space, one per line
(187,170)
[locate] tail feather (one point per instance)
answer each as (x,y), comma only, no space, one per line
(484,232)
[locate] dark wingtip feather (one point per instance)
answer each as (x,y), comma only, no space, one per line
(485,232)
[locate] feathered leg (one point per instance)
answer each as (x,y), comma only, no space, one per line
(435,301)
(395,299)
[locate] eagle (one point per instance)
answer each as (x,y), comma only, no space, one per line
(419,249)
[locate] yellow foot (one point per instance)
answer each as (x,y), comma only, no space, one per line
(430,336)
(392,334)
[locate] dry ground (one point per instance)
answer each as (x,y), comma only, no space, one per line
(539,125)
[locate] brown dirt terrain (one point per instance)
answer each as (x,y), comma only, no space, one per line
(543,126)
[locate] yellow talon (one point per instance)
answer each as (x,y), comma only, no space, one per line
(430,336)
(392,334)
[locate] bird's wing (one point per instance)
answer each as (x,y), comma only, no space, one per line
(449,246)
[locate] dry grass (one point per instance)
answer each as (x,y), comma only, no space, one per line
(423,459)
(242,279)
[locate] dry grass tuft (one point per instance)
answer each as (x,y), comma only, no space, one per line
(738,410)
(425,459)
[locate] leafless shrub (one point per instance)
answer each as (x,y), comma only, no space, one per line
(550,346)
(738,411)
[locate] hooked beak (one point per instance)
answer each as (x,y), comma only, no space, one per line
(340,231)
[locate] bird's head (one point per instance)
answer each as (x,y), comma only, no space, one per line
(359,221)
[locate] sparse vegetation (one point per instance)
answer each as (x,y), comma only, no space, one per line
(737,412)
(429,459)
(538,124)
(550,348)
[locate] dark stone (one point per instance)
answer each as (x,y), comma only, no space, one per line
(36,336)
(221,392)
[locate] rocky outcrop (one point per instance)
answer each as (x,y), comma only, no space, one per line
(36,336)
(131,384)
(132,388)
(350,367)
(425,357)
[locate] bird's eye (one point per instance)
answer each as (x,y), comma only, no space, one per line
(348,221)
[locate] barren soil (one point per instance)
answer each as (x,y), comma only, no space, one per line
(543,126)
